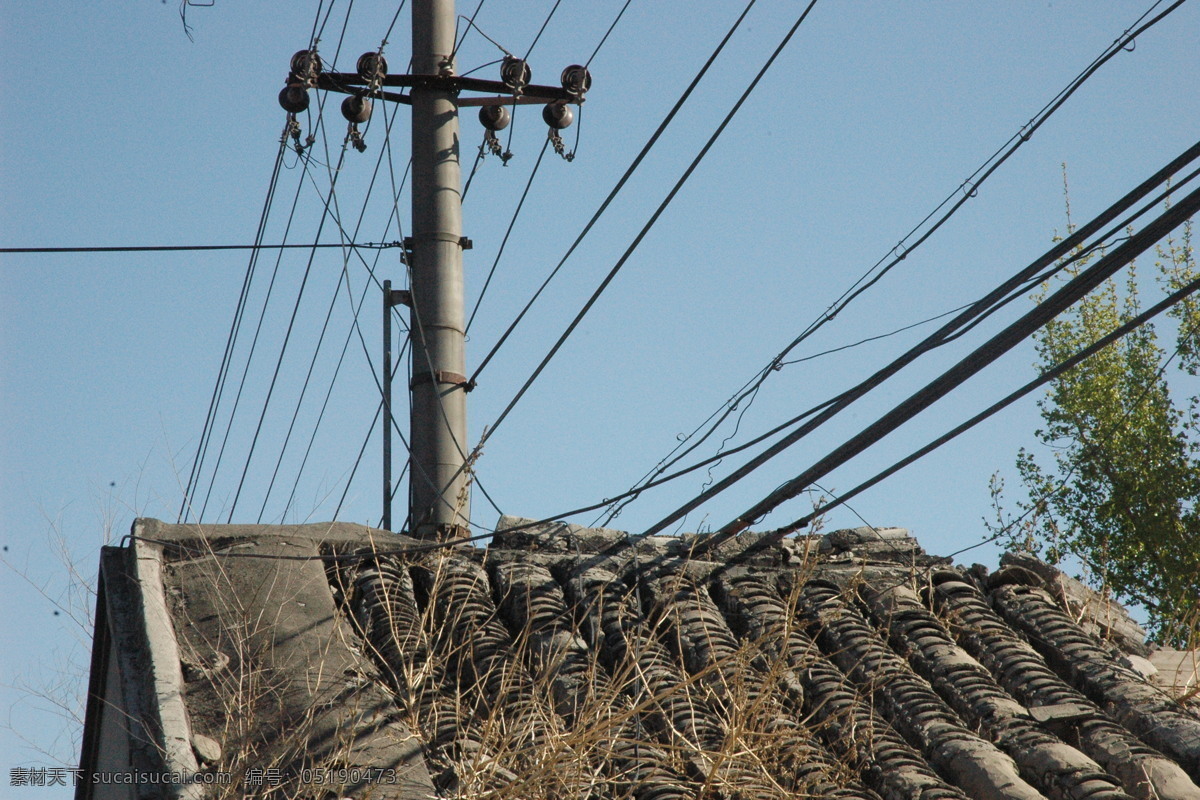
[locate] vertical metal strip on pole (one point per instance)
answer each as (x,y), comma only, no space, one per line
(387,405)
(438,482)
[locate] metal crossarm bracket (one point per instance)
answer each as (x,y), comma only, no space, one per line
(353,83)
(443,376)
(399,297)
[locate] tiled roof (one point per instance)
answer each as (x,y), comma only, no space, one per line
(572,663)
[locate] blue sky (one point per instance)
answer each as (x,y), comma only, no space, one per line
(119,130)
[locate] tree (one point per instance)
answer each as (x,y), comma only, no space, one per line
(1120,489)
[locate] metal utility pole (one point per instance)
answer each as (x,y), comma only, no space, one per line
(439,474)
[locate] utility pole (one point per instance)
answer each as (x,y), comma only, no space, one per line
(440,455)
(439,501)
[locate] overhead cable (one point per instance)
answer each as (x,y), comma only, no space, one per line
(1050,374)
(507,233)
(237,398)
(357,307)
(976,312)
(772,537)
(344,277)
(607,33)
(1059,251)
(167,248)
(222,378)
(1016,332)
(620,184)
(283,350)
(231,339)
(649,223)
(956,199)
(542,30)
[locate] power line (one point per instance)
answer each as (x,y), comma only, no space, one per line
(480,155)
(507,233)
(772,537)
(357,461)
(981,310)
(967,189)
(633,166)
(249,359)
(329,313)
(383,43)
(634,492)
(991,350)
(654,480)
(198,466)
(649,223)
(315,36)
(291,123)
(998,296)
(604,38)
(357,308)
(234,327)
(470,24)
(1054,372)
(342,36)
(332,210)
(283,349)
(467,459)
(542,29)
(343,277)
(199,247)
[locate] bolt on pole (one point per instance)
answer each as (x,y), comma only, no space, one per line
(438,483)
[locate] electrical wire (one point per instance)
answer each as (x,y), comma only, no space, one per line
(981,310)
(331,211)
(249,359)
(386,34)
(604,38)
(1002,342)
(231,339)
(1050,374)
(542,30)
(355,327)
(649,224)
(470,24)
(654,481)
(484,65)
(633,166)
(475,167)
(283,348)
(198,247)
(508,232)
(968,188)
(343,277)
(357,461)
(319,125)
(772,537)
(337,51)
(315,36)
(304,281)
(467,459)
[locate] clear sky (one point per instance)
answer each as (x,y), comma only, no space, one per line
(119,130)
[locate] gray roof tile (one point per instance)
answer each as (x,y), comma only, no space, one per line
(571,662)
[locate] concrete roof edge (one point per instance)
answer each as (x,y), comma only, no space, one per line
(211,537)
(165,671)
